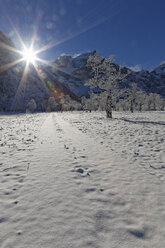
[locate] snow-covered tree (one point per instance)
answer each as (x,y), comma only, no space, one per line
(31,106)
(53,105)
(140,100)
(133,97)
(155,102)
(160,102)
(105,76)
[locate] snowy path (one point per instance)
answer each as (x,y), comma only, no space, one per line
(74,191)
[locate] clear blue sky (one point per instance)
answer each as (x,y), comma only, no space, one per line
(133,30)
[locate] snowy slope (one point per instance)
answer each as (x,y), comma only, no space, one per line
(79,180)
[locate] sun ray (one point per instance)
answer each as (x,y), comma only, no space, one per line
(17,33)
(10,65)
(35,31)
(46,62)
(19,96)
(54,66)
(10,48)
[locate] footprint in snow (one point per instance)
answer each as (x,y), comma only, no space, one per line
(19,232)
(88,190)
(66,147)
(83,156)
(3,219)
(137,233)
(80,170)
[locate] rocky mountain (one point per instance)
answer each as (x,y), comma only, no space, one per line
(66,76)
(149,82)
(72,72)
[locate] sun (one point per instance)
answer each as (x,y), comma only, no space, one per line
(29,55)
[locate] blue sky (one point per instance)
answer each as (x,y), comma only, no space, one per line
(133,30)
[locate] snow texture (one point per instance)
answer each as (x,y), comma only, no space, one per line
(79,180)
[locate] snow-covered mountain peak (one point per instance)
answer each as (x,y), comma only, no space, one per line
(81,59)
(160,69)
(64,60)
(71,63)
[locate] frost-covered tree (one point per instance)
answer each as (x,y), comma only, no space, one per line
(155,102)
(31,106)
(105,76)
(86,103)
(133,97)
(140,100)
(160,102)
(53,105)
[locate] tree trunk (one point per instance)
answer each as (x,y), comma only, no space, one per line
(109,104)
(131,108)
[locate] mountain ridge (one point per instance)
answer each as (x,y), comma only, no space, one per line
(67,75)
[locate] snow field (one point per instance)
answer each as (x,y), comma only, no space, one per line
(80,180)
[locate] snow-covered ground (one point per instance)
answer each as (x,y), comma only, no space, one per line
(77,180)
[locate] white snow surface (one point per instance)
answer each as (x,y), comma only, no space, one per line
(77,180)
